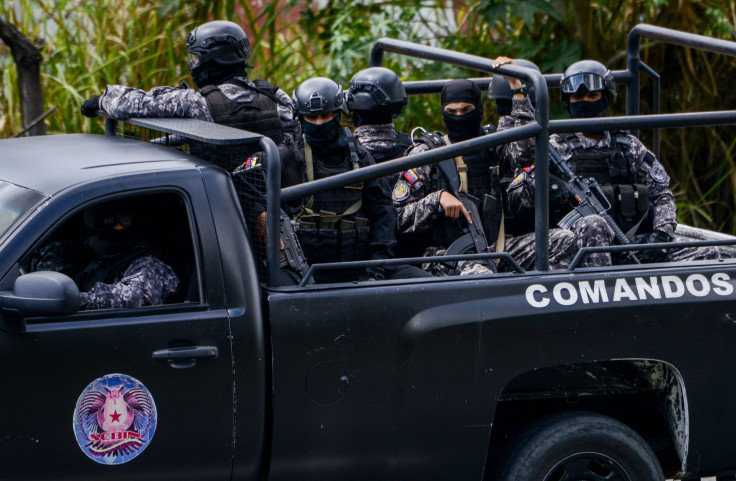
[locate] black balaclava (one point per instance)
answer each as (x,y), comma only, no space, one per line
(212,73)
(467,126)
(586,109)
(373,117)
(327,140)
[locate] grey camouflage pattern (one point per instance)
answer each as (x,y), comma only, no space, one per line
(562,249)
(521,154)
(420,210)
(121,102)
(561,244)
(593,231)
(146,282)
(376,137)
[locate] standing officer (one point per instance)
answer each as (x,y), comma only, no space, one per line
(428,212)
(356,222)
(218,52)
(631,177)
(376,97)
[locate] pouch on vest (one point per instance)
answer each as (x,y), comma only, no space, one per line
(346,235)
(362,238)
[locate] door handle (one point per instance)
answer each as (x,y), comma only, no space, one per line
(185,357)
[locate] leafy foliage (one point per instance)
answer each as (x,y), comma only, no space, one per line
(93,43)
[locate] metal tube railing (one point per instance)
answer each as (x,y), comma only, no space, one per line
(273,206)
(674,37)
(541,116)
(401,164)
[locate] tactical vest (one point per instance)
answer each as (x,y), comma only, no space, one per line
(480,180)
(333,227)
(403,142)
(259,116)
(615,172)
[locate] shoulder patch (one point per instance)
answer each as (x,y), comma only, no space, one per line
(401,191)
(657,173)
(518,180)
(410,176)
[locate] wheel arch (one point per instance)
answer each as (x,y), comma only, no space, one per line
(648,395)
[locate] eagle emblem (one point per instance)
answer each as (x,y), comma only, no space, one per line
(114,419)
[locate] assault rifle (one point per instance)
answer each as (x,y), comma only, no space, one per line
(292,253)
(474,234)
(590,198)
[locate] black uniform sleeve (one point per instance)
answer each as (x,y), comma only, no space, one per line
(380,211)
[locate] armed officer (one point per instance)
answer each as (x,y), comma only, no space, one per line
(428,212)
(356,222)
(630,176)
(376,97)
(218,52)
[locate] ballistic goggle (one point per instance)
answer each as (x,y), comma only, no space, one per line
(229,44)
(592,82)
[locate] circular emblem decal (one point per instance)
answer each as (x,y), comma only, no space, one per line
(114,419)
(401,191)
(658,174)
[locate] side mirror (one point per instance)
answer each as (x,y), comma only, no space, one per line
(38,294)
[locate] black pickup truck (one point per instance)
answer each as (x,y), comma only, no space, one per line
(617,373)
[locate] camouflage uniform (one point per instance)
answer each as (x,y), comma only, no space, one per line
(382,141)
(121,102)
(418,208)
(592,230)
(146,281)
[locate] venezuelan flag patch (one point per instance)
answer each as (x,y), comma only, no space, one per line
(411,176)
(251,162)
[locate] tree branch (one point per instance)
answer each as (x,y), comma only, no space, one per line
(27,57)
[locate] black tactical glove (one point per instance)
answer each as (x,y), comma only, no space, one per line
(91,106)
(656,255)
(373,274)
(558,191)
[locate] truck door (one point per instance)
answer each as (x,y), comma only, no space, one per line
(128,393)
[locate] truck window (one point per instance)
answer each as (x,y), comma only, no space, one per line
(15,203)
(127,252)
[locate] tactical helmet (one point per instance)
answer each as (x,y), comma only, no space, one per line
(592,75)
(376,88)
(319,95)
(499,88)
(222,42)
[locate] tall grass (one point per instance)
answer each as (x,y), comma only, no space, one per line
(92,43)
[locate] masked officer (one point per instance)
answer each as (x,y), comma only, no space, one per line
(115,267)
(356,222)
(376,97)
(218,52)
(428,212)
(631,177)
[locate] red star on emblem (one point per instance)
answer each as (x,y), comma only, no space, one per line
(115,416)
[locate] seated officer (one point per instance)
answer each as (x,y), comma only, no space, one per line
(114,268)
(629,174)
(376,97)
(356,222)
(429,213)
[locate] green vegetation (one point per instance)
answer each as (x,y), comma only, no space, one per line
(93,43)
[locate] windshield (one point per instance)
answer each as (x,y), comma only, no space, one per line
(15,203)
